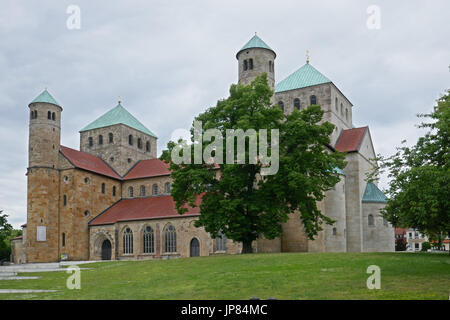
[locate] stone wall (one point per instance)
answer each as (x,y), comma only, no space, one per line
(18,251)
(147,183)
(119,154)
(379,236)
(335,235)
(261,58)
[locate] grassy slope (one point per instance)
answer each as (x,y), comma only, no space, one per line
(282,276)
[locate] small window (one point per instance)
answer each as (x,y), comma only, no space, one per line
(130,140)
(110,138)
(155,189)
(142,194)
(147,146)
(128,241)
(86,180)
(221,242)
(297,103)
(167,187)
(245,65)
(342,109)
(334,231)
(336,104)
(281,105)
(129,160)
(130,192)
(91,141)
(270,66)
(114,191)
(250,64)
(139,143)
(370,220)
(49,115)
(111,159)
(63,240)
(87,213)
(103,188)
(53,116)
(64,200)
(312,100)
(35,114)
(346,114)
(100,139)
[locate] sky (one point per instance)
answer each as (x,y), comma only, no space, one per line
(170,60)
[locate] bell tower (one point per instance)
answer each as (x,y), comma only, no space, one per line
(255,58)
(43,179)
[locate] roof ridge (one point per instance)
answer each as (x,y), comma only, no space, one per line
(305,76)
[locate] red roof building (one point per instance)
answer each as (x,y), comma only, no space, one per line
(350,139)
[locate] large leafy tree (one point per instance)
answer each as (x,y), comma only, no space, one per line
(240,202)
(5,233)
(419,192)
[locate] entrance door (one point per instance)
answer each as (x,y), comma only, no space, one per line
(106,250)
(195,248)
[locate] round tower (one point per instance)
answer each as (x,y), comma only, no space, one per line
(42,244)
(44,131)
(255,58)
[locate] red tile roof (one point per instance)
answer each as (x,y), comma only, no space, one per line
(142,209)
(88,162)
(148,168)
(17,238)
(350,139)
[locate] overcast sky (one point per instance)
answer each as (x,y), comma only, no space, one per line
(169,60)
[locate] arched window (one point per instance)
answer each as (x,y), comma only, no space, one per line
(270,66)
(130,192)
(250,64)
(63,240)
(336,104)
(312,100)
(167,187)
(111,137)
(281,105)
(100,139)
(49,115)
(147,146)
(103,188)
(346,114)
(130,140)
(149,243)
(64,200)
(170,239)
(114,191)
(31,114)
(371,221)
(245,65)
(155,189)
(139,143)
(221,242)
(128,241)
(35,114)
(53,116)
(91,142)
(142,194)
(297,103)
(334,231)
(342,109)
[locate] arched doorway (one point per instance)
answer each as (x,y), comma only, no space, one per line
(106,250)
(195,247)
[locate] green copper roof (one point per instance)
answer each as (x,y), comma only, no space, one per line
(306,76)
(373,194)
(255,42)
(118,115)
(46,97)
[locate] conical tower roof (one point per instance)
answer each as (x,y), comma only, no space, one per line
(45,97)
(255,42)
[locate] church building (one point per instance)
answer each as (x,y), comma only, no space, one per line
(111,198)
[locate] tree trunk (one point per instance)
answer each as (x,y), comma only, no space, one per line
(247,247)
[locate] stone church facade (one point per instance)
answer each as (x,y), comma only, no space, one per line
(111,199)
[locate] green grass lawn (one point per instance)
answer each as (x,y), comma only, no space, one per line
(281,276)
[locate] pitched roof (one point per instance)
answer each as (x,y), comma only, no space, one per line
(350,139)
(373,194)
(88,162)
(148,168)
(45,97)
(118,115)
(142,209)
(255,42)
(17,238)
(306,76)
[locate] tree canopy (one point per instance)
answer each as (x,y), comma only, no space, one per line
(241,201)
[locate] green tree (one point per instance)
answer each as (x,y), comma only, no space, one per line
(242,203)
(419,190)
(5,233)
